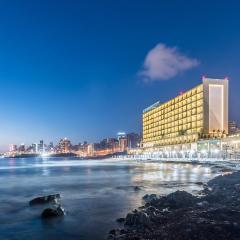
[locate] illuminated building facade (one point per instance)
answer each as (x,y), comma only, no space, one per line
(12,148)
(201,112)
(64,146)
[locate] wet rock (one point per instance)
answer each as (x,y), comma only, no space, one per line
(53,212)
(205,190)
(113,231)
(225,180)
(116,234)
(181,216)
(137,188)
(150,197)
(237,187)
(178,199)
(121,220)
(45,199)
(203,204)
(137,218)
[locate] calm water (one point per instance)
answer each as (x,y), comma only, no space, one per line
(94,193)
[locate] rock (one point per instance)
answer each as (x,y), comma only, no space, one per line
(178,199)
(205,190)
(203,204)
(180,215)
(116,234)
(148,198)
(137,218)
(53,212)
(237,187)
(113,232)
(165,210)
(199,183)
(151,209)
(45,199)
(137,188)
(121,220)
(225,180)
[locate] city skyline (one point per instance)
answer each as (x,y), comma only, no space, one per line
(117,145)
(55,83)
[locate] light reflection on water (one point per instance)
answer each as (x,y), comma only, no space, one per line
(94,193)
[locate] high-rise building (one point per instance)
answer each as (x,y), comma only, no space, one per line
(121,135)
(90,149)
(41,147)
(122,144)
(22,148)
(201,112)
(12,148)
(50,147)
(64,146)
(35,147)
(232,127)
(133,140)
(122,141)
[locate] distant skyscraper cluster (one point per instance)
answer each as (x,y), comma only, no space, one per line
(107,146)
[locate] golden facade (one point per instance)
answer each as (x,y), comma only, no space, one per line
(179,120)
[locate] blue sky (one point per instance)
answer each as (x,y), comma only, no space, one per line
(86,69)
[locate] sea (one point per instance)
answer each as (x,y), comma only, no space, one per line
(94,193)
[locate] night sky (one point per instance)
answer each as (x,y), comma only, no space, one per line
(86,69)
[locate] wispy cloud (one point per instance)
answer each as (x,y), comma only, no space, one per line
(163,62)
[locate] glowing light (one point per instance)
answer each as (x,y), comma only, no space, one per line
(203,151)
(45,154)
(216,151)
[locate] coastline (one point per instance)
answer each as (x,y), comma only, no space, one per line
(212,214)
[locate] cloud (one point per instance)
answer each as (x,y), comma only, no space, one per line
(163,62)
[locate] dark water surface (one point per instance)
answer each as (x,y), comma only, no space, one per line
(94,193)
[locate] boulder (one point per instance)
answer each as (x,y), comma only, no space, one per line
(148,198)
(178,199)
(121,220)
(137,218)
(137,188)
(199,183)
(203,204)
(53,212)
(237,187)
(228,180)
(45,199)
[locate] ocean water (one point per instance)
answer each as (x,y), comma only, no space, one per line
(94,193)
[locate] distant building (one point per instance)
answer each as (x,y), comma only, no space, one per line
(121,135)
(83,149)
(41,147)
(64,146)
(113,145)
(90,150)
(75,147)
(232,127)
(122,144)
(12,148)
(122,141)
(50,148)
(133,140)
(35,148)
(22,148)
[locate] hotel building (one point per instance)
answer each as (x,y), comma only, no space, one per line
(199,113)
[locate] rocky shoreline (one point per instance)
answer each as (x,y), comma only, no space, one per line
(213,214)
